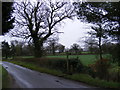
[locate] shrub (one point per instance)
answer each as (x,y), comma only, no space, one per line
(80,67)
(100,68)
(114,74)
(75,65)
(59,64)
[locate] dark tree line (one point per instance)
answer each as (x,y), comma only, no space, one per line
(21,48)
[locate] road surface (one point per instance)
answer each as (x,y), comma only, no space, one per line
(26,78)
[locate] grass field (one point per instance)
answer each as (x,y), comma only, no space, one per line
(85,59)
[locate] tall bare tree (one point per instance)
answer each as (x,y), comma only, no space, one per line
(39,20)
(99,32)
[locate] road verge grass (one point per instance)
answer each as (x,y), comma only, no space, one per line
(77,77)
(5,78)
(91,81)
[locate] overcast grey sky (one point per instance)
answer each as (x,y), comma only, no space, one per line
(74,31)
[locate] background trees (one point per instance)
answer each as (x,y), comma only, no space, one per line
(75,49)
(21,48)
(5,49)
(7,19)
(39,20)
(61,48)
(52,45)
(90,43)
(16,48)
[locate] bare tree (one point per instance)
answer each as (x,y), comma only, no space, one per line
(60,48)
(100,34)
(90,43)
(52,44)
(39,20)
(75,48)
(17,48)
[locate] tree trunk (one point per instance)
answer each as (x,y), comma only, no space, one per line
(6,55)
(100,48)
(37,47)
(53,50)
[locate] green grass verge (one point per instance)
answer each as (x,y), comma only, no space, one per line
(78,77)
(91,81)
(5,78)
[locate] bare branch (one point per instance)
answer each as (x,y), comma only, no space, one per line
(39,20)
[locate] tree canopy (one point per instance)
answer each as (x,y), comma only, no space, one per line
(7,19)
(101,12)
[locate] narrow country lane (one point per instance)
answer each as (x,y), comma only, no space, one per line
(27,78)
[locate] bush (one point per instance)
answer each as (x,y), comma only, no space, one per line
(114,74)
(100,68)
(115,52)
(59,64)
(79,66)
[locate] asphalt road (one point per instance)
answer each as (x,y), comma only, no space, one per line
(26,78)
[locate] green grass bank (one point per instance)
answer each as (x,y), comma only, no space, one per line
(5,78)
